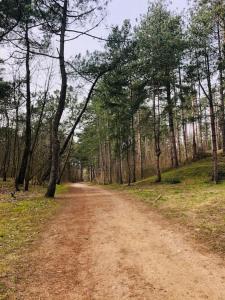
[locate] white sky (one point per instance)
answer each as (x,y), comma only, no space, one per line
(117,12)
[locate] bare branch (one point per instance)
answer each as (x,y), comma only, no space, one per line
(83,33)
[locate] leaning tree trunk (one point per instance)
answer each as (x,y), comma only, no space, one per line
(36,135)
(77,121)
(47,169)
(61,105)
(23,167)
(65,163)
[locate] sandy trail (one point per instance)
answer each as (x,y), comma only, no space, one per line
(104,246)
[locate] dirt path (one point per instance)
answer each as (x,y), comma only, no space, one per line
(104,246)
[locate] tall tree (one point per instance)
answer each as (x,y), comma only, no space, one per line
(161,48)
(204,60)
(66,13)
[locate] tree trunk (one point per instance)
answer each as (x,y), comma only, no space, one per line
(178,142)
(128,165)
(7,148)
(65,163)
(47,170)
(171,126)
(120,159)
(23,167)
(81,172)
(133,151)
(213,126)
(206,131)
(194,145)
(183,121)
(200,116)
(221,89)
(156,126)
(61,105)
(32,149)
(139,148)
(110,161)
(209,96)
(15,140)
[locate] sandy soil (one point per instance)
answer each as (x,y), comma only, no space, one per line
(105,246)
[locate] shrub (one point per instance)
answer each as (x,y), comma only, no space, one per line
(173,180)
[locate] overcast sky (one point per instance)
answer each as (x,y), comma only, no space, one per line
(117,12)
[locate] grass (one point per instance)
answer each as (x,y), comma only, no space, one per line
(62,188)
(21,220)
(187,195)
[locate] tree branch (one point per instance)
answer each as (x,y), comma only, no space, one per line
(80,114)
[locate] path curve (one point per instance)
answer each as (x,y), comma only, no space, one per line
(104,246)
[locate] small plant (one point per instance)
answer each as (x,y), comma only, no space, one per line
(221,175)
(173,180)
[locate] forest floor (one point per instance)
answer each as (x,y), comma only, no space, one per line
(105,244)
(22,218)
(188,196)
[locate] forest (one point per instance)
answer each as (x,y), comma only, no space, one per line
(151,100)
(112,165)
